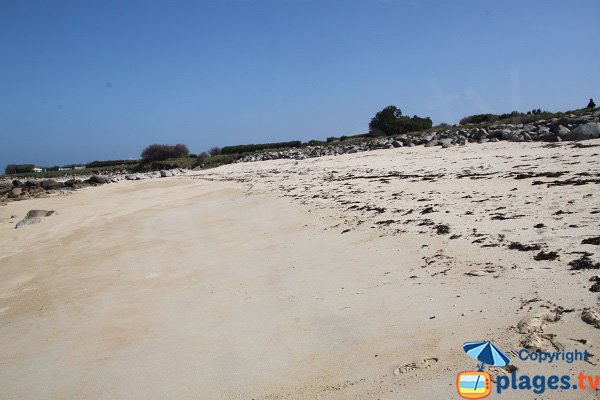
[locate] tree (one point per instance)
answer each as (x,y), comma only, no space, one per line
(391,122)
(160,152)
(10,169)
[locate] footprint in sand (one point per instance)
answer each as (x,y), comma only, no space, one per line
(423,364)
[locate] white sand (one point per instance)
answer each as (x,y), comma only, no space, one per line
(237,283)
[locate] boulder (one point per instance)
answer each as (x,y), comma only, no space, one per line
(591,130)
(73,182)
(396,143)
(98,179)
(431,143)
(15,192)
(164,174)
(560,130)
(17,183)
(39,213)
(27,221)
(51,184)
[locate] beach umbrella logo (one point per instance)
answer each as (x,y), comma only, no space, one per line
(486,353)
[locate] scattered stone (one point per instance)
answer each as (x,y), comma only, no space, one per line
(591,316)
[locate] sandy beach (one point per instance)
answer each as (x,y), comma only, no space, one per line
(350,277)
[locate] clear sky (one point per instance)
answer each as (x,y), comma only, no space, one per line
(91,80)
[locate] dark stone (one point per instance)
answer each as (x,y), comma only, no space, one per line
(51,184)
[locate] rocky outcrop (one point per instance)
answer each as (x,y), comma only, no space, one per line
(18,190)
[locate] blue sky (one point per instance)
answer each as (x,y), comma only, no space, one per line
(91,80)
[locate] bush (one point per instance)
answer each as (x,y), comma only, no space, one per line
(391,122)
(215,151)
(249,148)
(513,117)
(220,159)
(110,163)
(18,168)
(160,152)
(202,157)
(331,139)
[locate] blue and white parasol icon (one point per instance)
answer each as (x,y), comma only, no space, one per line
(486,353)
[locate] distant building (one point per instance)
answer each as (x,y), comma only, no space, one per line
(38,169)
(79,167)
(65,168)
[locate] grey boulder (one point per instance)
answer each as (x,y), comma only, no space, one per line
(591,130)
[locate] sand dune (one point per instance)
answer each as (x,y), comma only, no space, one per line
(350,277)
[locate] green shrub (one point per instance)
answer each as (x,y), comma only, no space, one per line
(161,152)
(249,148)
(110,163)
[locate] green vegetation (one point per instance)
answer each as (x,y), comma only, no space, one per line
(161,152)
(111,163)
(18,168)
(249,148)
(515,115)
(390,121)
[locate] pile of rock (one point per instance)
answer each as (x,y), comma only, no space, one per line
(571,128)
(33,188)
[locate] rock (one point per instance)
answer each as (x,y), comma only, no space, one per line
(396,143)
(447,142)
(15,192)
(591,316)
(27,221)
(17,183)
(431,143)
(51,184)
(164,174)
(34,217)
(560,130)
(73,182)
(39,213)
(591,130)
(97,179)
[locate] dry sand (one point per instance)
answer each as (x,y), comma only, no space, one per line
(328,278)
